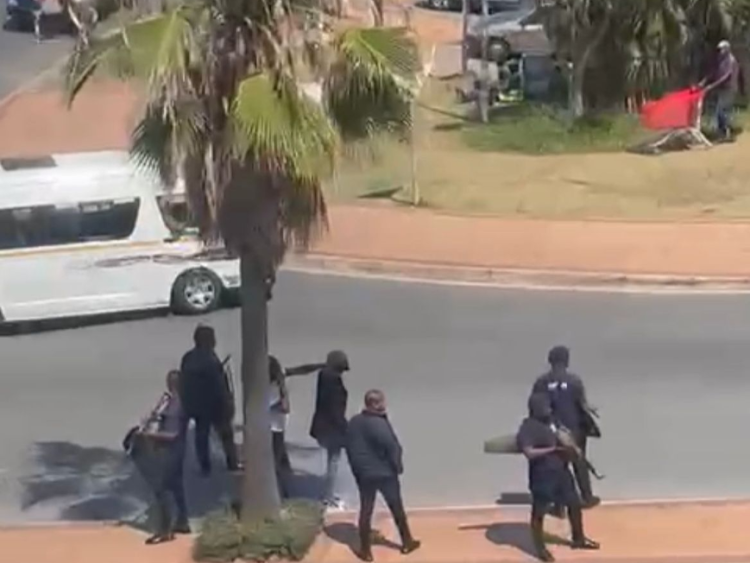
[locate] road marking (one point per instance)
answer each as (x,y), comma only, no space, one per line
(653,290)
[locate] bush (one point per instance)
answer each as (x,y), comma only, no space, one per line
(290,536)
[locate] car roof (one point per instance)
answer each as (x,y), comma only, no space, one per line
(71,178)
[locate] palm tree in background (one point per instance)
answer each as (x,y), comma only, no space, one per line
(226,114)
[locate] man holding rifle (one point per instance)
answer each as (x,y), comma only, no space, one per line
(570,409)
(207,398)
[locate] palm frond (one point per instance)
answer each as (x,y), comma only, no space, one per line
(369,85)
(152,147)
(282,129)
(104,52)
(159,47)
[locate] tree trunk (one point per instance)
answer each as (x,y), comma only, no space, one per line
(575,91)
(260,492)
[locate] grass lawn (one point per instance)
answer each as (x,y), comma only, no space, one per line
(527,162)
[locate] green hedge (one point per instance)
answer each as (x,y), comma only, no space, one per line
(290,536)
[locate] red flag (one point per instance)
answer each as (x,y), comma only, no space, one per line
(676,110)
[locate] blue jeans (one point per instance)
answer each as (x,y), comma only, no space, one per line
(333,457)
(724,108)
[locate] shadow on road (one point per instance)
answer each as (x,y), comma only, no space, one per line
(346,534)
(513,534)
(94,483)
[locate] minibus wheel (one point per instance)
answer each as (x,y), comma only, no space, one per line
(196,292)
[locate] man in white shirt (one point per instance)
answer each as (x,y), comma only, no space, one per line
(278,403)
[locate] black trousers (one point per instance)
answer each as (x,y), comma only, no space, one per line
(282,463)
(583,477)
(561,493)
(169,492)
(223,427)
(390,488)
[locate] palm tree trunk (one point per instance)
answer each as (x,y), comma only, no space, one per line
(260,493)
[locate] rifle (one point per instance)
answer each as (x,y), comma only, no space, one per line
(568,441)
(226,368)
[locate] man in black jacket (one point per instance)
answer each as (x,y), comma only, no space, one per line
(570,408)
(207,398)
(375,456)
(329,421)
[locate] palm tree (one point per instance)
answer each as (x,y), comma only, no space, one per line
(577,28)
(227,115)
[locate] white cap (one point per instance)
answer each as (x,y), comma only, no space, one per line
(723,44)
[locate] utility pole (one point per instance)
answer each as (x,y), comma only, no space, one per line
(484,81)
(465,29)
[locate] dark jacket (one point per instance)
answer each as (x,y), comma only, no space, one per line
(372,447)
(329,421)
(204,389)
(567,396)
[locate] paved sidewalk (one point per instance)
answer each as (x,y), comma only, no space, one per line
(405,235)
(707,533)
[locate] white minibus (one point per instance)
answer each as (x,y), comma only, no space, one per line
(89,233)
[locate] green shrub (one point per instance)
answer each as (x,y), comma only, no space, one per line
(290,536)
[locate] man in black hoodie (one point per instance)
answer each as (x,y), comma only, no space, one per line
(207,398)
(329,421)
(375,456)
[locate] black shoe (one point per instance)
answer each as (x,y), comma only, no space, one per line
(586,544)
(591,502)
(159,538)
(411,546)
(544,555)
(182,528)
(365,555)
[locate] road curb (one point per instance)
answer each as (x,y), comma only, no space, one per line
(348,514)
(515,277)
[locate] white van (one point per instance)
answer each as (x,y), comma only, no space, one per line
(86,234)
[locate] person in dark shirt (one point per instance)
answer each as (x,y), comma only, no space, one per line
(376,458)
(570,408)
(207,398)
(162,432)
(550,481)
(329,423)
(724,81)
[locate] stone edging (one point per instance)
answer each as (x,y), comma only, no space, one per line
(515,278)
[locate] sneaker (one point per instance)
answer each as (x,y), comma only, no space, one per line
(334,505)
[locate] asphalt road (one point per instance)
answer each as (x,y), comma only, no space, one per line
(22,58)
(669,374)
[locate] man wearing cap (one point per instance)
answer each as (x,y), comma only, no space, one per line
(725,82)
(329,424)
(567,396)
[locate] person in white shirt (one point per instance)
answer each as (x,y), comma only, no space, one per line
(278,403)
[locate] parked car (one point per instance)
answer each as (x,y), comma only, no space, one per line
(475,6)
(43,17)
(518,32)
